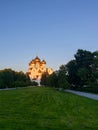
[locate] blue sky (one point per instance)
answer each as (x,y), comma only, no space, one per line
(51,29)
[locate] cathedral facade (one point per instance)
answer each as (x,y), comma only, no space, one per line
(37,68)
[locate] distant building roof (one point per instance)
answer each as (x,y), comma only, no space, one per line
(43,62)
(37,59)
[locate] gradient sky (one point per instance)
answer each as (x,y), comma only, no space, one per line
(51,29)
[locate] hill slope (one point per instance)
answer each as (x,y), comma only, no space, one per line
(41,108)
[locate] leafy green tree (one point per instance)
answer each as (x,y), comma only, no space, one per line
(62,77)
(7,77)
(80,69)
(10,78)
(62,80)
(2,84)
(58,79)
(53,79)
(95,67)
(63,69)
(44,79)
(73,77)
(83,75)
(84,58)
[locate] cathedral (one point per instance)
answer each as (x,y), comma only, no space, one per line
(37,68)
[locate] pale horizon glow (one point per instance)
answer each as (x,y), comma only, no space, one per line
(52,29)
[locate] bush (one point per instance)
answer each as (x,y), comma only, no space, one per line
(64,85)
(34,83)
(92,88)
(19,84)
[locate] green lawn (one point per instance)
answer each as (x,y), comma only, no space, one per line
(42,108)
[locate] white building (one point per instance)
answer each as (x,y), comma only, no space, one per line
(37,68)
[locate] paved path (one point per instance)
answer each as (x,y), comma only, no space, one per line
(7,88)
(89,95)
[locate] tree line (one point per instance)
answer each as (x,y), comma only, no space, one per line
(81,73)
(12,79)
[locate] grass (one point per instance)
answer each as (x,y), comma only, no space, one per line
(40,108)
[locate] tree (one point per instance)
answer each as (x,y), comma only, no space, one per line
(95,66)
(62,77)
(83,75)
(63,69)
(62,80)
(10,78)
(84,58)
(80,69)
(53,79)
(44,79)
(7,77)
(58,79)
(73,77)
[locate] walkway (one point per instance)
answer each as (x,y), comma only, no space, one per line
(7,88)
(89,95)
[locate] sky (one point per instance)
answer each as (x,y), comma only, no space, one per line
(52,29)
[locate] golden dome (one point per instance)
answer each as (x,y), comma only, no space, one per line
(30,63)
(37,59)
(33,62)
(43,62)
